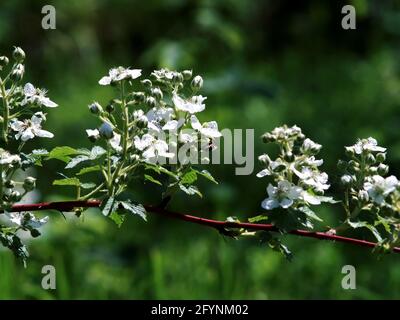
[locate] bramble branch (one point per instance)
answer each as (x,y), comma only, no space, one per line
(65,206)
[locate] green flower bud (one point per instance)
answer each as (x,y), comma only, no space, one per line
(289,157)
(157,93)
(346,180)
(3,61)
(35,233)
(147,83)
(95,108)
(106,131)
(151,102)
(134,158)
(29,183)
(187,74)
(18,73)
(18,54)
(197,83)
(380,157)
(363,196)
(9,184)
(139,97)
(373,170)
(349,151)
(383,169)
(15,196)
(264,159)
(370,158)
(342,165)
(267,137)
(110,107)
(177,77)
(141,122)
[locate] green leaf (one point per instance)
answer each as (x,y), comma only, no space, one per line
(88,185)
(258,218)
(364,224)
(327,199)
(75,161)
(207,175)
(96,152)
(159,170)
(189,177)
(151,179)
(133,208)
(117,217)
(309,213)
(276,245)
(88,170)
(108,206)
(62,153)
(67,182)
(190,190)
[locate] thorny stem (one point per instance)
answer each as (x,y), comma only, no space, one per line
(221,226)
(6,111)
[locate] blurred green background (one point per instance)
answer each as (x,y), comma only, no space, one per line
(265,63)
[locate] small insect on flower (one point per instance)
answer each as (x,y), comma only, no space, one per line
(33,95)
(30,128)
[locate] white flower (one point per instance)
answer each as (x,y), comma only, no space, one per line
(317,180)
(207,129)
(152,148)
(157,116)
(118,74)
(29,128)
(35,95)
(309,145)
(27,220)
(115,142)
(173,125)
(8,158)
(281,196)
(379,188)
(369,144)
(193,105)
(163,74)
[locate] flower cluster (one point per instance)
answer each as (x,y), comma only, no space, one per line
(296,180)
(371,197)
(22,113)
(149,132)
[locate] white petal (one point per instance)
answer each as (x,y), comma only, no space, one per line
(29,90)
(105,81)
(44,134)
(195,123)
(48,103)
(270,204)
(263,173)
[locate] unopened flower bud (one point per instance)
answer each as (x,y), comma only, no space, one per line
(370,158)
(267,137)
(147,83)
(106,131)
(95,108)
(380,157)
(29,183)
(138,96)
(349,151)
(110,107)
(142,122)
(346,180)
(15,196)
(18,54)
(18,73)
(134,158)
(383,169)
(363,196)
(197,83)
(3,61)
(151,102)
(264,159)
(157,93)
(177,77)
(35,233)
(289,157)
(342,165)
(187,74)
(9,184)
(373,170)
